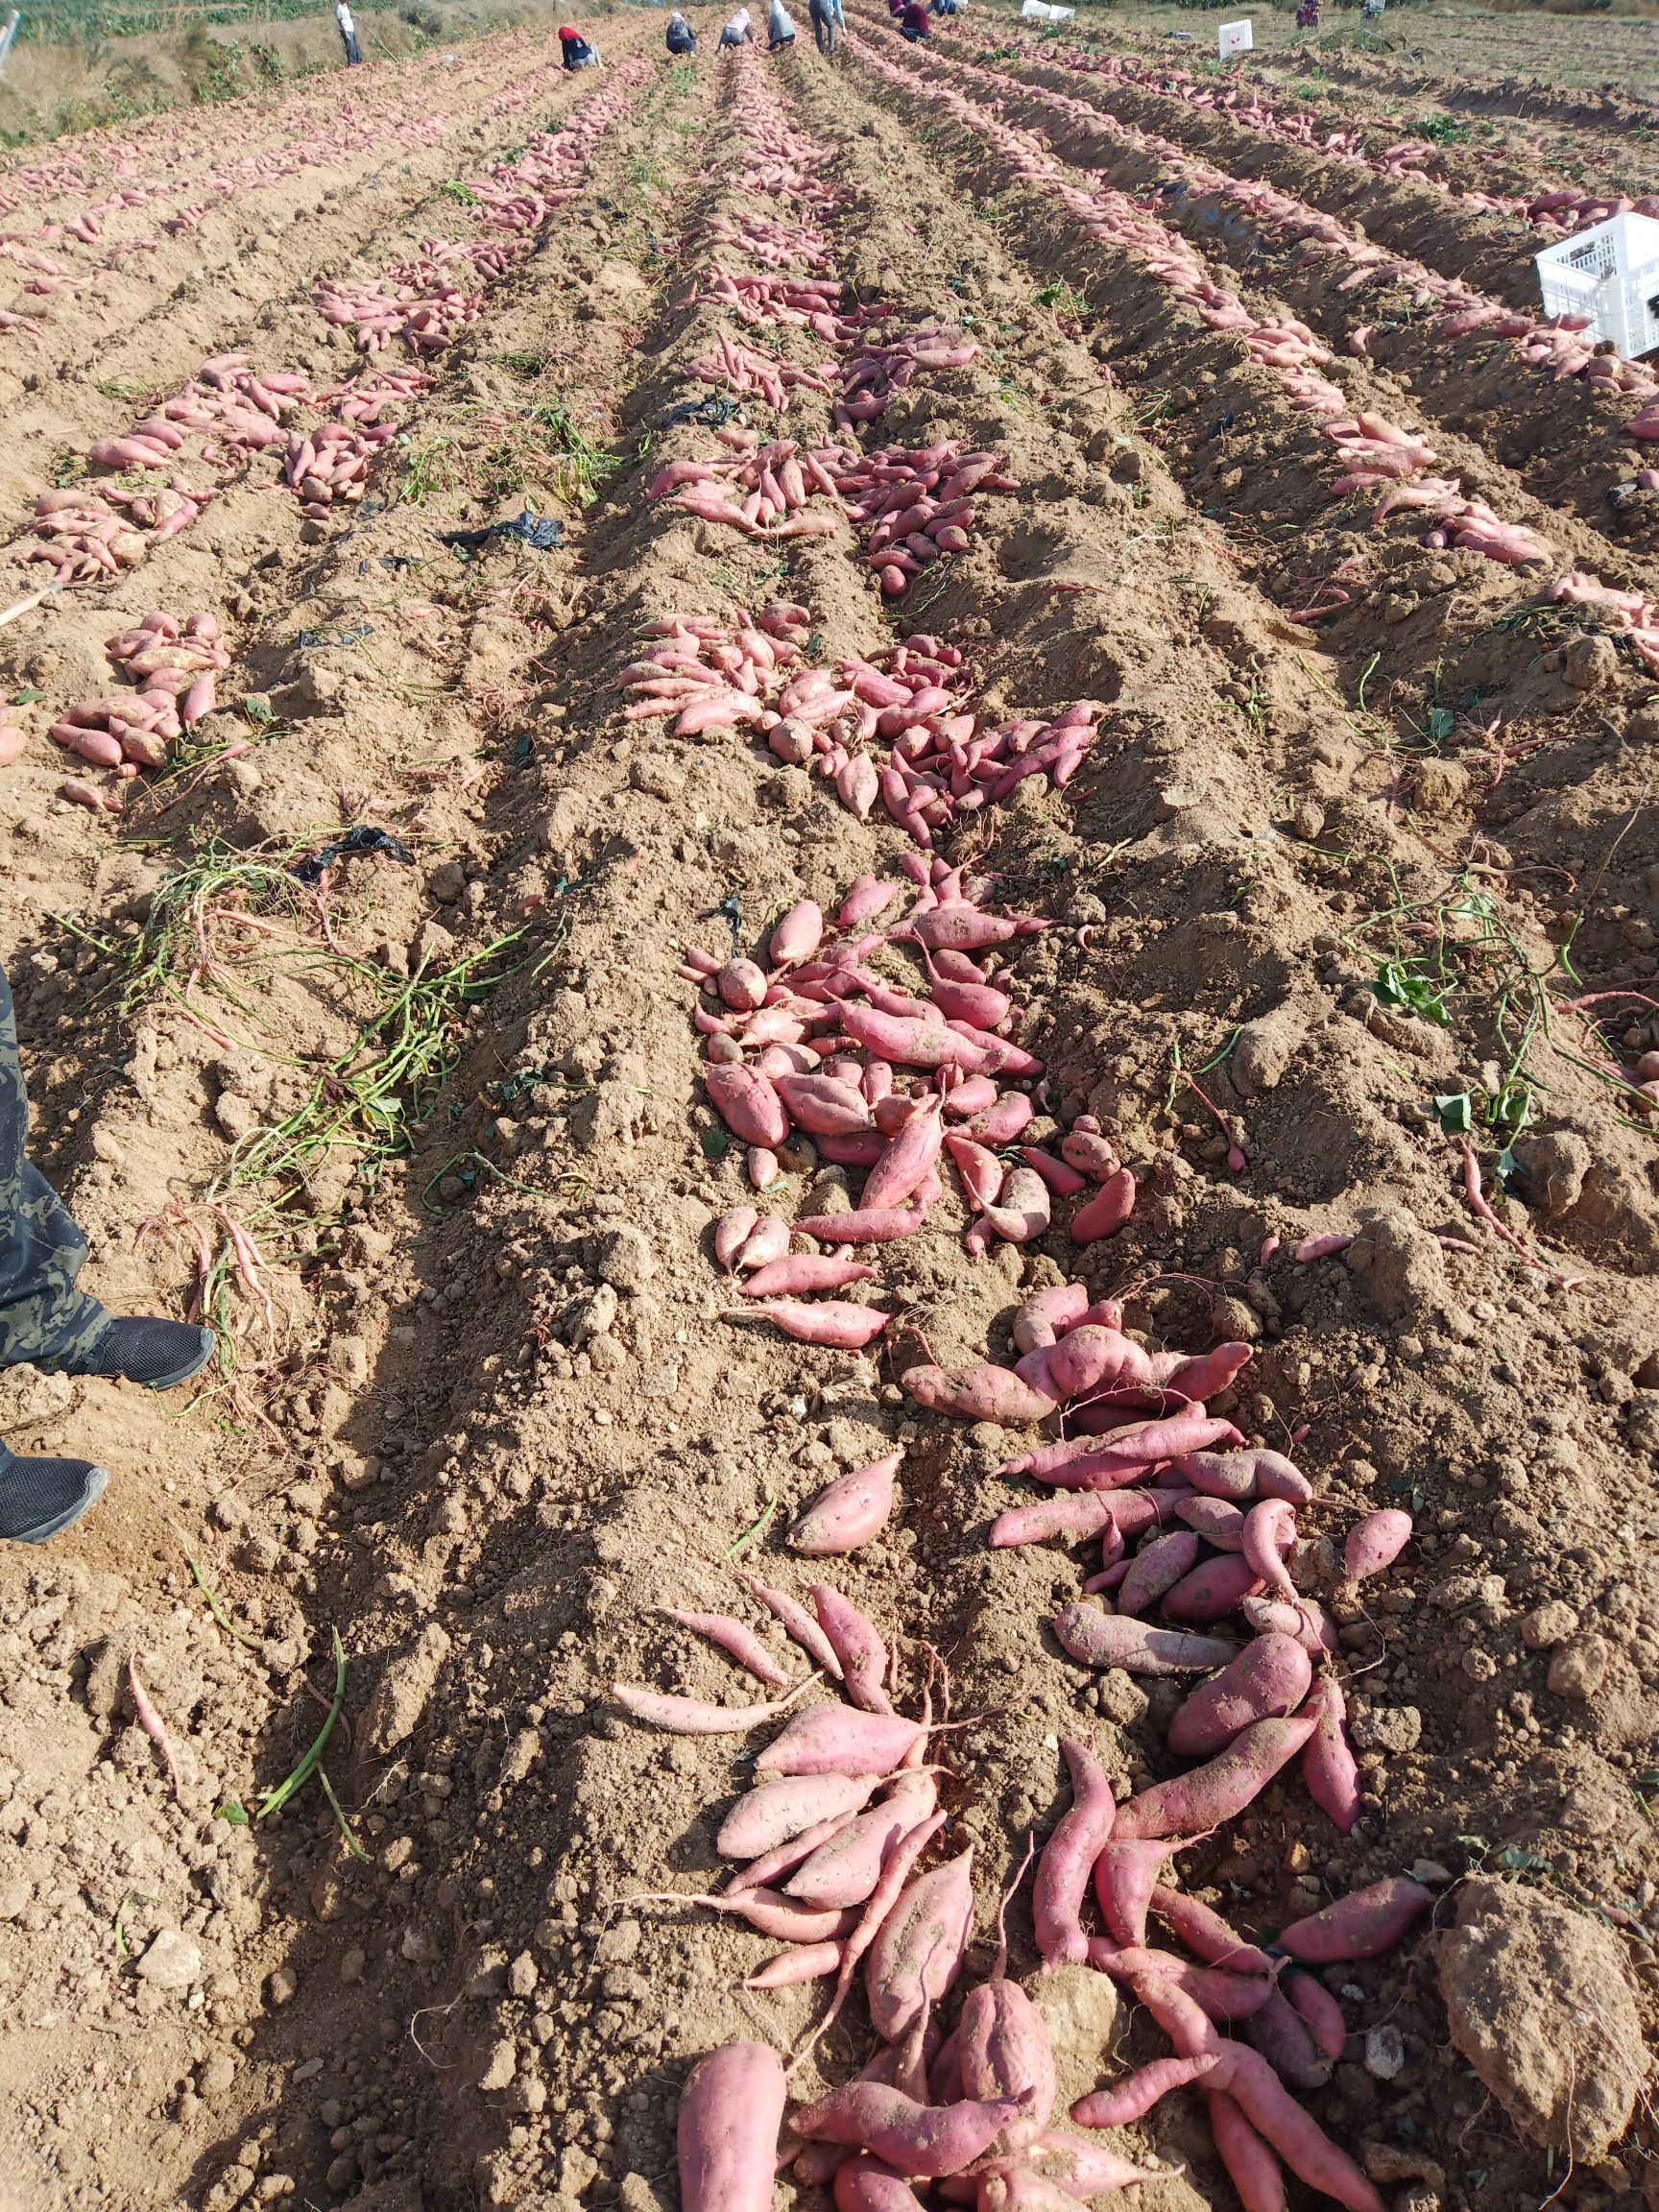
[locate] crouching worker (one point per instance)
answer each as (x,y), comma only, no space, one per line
(45,1321)
(579,52)
(682,38)
(736,31)
(780,27)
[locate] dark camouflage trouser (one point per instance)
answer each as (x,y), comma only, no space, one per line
(43,1318)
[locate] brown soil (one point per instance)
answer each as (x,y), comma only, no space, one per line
(495,1417)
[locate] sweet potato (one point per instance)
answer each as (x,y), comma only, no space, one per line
(1267,1539)
(1320,2010)
(917,1953)
(1362,1925)
(982,1392)
(908,1158)
(1074,1513)
(1047,1314)
(1297,2137)
(1218,1521)
(748,1105)
(840,1739)
(1062,1879)
(1285,2039)
(1206,1932)
(845,1869)
(822,1106)
(865,1224)
(1222,1996)
(730,2115)
(765,1873)
(849,1512)
(1125,1873)
(1212,1590)
(1083,2169)
(733,1637)
(798,936)
(1132,2098)
(857,1644)
(1199,1802)
(1086,1360)
(1156,1568)
(1106,1212)
(730,1233)
(691,1716)
(1242,1475)
(804,1272)
(1267,1680)
(1376,1543)
(918,2139)
(834,1322)
(1307,1620)
(1329,1767)
(1004,2052)
(797,1623)
(802,1962)
(1108,1640)
(1251,2165)
(868,2185)
(774,1812)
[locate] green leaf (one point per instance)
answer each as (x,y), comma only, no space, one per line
(1457,1112)
(715,1143)
(1441,724)
(1515,1860)
(234,1811)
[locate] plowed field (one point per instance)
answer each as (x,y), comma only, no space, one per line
(1140,518)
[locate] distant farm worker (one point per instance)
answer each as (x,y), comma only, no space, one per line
(45,1322)
(829,19)
(913,22)
(1307,15)
(579,52)
(348,32)
(780,27)
(682,38)
(736,31)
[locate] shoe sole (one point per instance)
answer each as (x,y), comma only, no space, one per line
(191,1367)
(97,1481)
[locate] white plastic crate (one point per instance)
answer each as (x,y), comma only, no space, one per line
(1610,274)
(1236,39)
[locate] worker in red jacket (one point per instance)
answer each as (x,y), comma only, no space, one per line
(915,23)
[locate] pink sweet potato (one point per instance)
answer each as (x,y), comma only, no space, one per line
(868,2185)
(1362,1925)
(1329,1767)
(1199,1802)
(1156,1569)
(1320,2010)
(730,2115)
(822,1106)
(917,1953)
(1285,2039)
(804,1272)
(1212,1590)
(1296,2134)
(748,1105)
(1251,2165)
(833,1321)
(1108,1640)
(1242,1475)
(765,1873)
(1267,1539)
(798,1625)
(908,1158)
(850,1511)
(733,1637)
(845,1869)
(1074,1513)
(1267,1680)
(1215,1519)
(731,1232)
(1125,1873)
(1106,1212)
(1132,2098)
(774,1812)
(691,1716)
(1062,1879)
(982,1392)
(1083,2169)
(857,1644)
(867,1224)
(1206,1932)
(1004,2052)
(798,936)
(802,1962)
(840,1739)
(1222,1996)
(1376,1543)
(918,2139)
(1047,1314)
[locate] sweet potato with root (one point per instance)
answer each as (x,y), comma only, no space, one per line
(1320,2010)
(731,2111)
(1062,1879)
(1267,1539)
(766,1871)
(840,1739)
(923,2140)
(774,1812)
(1109,1640)
(1362,1925)
(1267,1680)
(1215,1519)
(822,1105)
(908,1158)
(1376,1543)
(1223,1997)
(917,1953)
(1125,1873)
(1047,1314)
(865,1225)
(1243,1476)
(981,1392)
(849,1512)
(1086,1360)
(1195,1803)
(1106,1463)
(1084,2169)
(804,1272)
(798,936)
(731,1232)
(803,1962)
(1307,1620)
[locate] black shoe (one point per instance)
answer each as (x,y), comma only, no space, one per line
(40,1497)
(160,1353)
